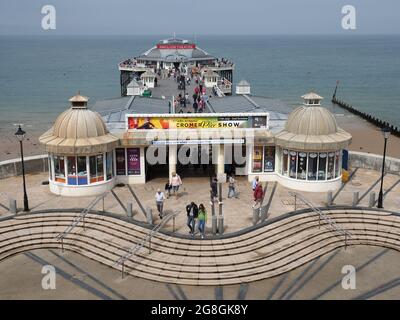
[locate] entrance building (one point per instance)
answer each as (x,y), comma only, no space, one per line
(90,152)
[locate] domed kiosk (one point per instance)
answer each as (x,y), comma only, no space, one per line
(80,152)
(310,147)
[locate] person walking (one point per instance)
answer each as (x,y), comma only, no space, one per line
(160,202)
(214,188)
(202,217)
(258,195)
(176,182)
(255,182)
(192,213)
(232,187)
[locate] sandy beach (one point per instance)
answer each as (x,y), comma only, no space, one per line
(366,138)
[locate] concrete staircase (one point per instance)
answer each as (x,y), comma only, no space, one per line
(267,251)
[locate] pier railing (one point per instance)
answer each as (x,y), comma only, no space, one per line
(147,240)
(322,216)
(79,218)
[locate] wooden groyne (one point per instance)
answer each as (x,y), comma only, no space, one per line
(369,117)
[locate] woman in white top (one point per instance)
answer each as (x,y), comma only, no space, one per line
(175,183)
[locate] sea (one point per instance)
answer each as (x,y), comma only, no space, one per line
(38,74)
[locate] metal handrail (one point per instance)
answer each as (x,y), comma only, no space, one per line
(135,249)
(80,217)
(322,215)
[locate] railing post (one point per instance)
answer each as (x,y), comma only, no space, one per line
(103,204)
(214,224)
(150,245)
(329,198)
(319,221)
(355,198)
(371,199)
(122,270)
(295,202)
(173,225)
(220,224)
(129,210)
(62,245)
(13,206)
(345,241)
(256,215)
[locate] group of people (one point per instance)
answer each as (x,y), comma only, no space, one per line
(197,215)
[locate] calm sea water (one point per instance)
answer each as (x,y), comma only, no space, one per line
(39,74)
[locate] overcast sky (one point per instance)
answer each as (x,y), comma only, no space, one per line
(104,17)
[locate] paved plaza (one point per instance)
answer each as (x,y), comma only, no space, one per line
(77,277)
(237,212)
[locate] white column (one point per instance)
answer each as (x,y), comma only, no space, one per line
(172,159)
(221,160)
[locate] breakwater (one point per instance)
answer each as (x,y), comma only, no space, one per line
(367,116)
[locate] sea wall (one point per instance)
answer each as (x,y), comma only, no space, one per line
(33,164)
(373,162)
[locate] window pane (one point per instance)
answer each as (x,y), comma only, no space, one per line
(292,164)
(285,156)
(82,172)
(302,166)
(120,161)
(109,163)
(269,159)
(322,166)
(50,166)
(337,164)
(331,165)
(257,159)
(100,167)
(312,166)
(93,169)
(59,169)
(72,178)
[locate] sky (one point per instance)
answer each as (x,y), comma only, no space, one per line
(144,17)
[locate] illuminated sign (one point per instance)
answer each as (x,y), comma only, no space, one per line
(208,141)
(176,46)
(203,121)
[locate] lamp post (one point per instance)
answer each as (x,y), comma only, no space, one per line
(20,134)
(386,134)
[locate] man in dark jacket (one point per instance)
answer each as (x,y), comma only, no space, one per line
(214,188)
(192,212)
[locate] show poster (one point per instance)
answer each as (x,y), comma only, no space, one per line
(133,155)
(197,122)
(257,159)
(269,159)
(120,161)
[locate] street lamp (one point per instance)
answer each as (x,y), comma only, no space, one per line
(386,134)
(20,134)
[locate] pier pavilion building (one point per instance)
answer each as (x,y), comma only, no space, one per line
(131,139)
(176,54)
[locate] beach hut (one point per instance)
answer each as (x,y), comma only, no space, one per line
(80,149)
(148,78)
(310,148)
